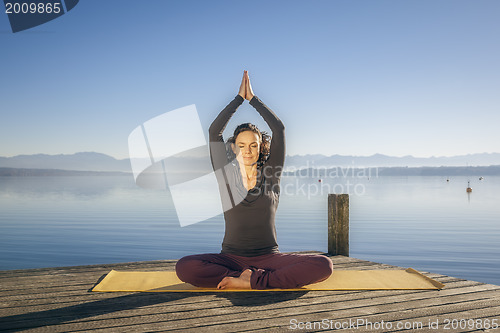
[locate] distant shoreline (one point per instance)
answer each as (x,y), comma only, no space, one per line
(447,171)
(492,170)
(21,172)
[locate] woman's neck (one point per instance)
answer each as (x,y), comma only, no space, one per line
(248,175)
(250,170)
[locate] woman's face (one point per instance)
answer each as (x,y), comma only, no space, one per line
(247,147)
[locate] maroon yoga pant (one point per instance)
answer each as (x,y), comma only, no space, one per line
(274,270)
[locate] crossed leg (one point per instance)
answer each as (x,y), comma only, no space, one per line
(275,270)
(207,270)
(289,270)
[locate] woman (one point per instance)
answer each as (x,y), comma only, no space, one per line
(248,170)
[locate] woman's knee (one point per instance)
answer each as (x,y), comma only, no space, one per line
(324,266)
(186,268)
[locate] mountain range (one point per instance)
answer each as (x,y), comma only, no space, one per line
(92,161)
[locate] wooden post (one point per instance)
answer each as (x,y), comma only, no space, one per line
(338,224)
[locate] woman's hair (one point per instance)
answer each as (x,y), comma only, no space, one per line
(265,142)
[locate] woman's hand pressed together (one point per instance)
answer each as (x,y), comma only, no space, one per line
(248,87)
(245,87)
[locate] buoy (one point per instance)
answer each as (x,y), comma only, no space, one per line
(469,189)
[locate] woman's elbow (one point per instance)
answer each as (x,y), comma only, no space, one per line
(280,127)
(213,133)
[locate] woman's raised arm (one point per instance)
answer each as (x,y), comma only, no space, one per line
(217,147)
(277,153)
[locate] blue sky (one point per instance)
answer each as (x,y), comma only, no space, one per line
(355,77)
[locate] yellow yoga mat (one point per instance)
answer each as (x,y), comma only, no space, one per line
(382,279)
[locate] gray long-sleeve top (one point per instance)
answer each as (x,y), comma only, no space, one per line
(249,215)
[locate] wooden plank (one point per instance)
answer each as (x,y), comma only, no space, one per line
(338,224)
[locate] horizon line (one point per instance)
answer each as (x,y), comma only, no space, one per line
(303,155)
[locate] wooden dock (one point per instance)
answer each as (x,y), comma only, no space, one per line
(59,300)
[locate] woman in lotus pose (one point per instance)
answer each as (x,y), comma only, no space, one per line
(248,170)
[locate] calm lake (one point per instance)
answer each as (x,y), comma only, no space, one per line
(422,222)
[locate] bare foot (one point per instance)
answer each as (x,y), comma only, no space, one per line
(241,282)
